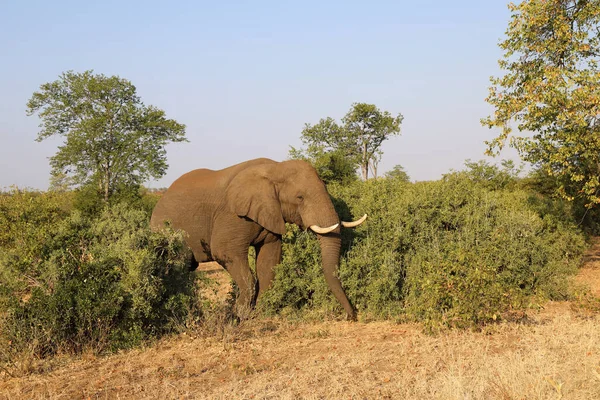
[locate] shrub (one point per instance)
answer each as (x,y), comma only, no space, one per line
(27,219)
(299,283)
(449,253)
(490,176)
(587,216)
(89,199)
(82,282)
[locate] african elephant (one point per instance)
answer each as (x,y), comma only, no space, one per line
(224,212)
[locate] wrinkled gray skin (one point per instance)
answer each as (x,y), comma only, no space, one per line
(226,211)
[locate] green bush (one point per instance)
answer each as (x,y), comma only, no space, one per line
(490,176)
(27,221)
(70,281)
(299,282)
(449,253)
(89,199)
(587,218)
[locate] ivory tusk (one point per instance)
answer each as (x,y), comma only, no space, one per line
(323,231)
(355,223)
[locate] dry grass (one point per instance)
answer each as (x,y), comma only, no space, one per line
(557,354)
(554,355)
(219,286)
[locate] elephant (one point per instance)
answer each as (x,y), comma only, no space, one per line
(226,211)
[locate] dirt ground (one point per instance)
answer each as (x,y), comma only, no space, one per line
(554,355)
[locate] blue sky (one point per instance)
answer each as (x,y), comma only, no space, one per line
(245,76)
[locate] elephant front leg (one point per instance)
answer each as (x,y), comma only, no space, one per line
(268,255)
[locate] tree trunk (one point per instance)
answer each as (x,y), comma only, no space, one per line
(365,162)
(374,165)
(106,185)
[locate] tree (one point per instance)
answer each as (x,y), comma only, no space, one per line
(332,166)
(364,128)
(112,139)
(551,92)
(398,173)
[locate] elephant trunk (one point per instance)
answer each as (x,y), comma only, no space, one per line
(330,251)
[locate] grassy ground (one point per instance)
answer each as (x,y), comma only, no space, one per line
(554,354)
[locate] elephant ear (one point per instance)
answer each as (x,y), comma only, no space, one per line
(251,194)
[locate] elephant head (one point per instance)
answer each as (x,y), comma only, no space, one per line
(272,194)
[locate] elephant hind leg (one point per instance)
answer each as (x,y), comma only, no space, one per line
(239,269)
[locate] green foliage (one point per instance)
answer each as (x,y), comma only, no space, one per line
(491,176)
(550,91)
(448,253)
(332,166)
(299,282)
(111,138)
(90,200)
(539,181)
(70,281)
(26,224)
(398,173)
(357,141)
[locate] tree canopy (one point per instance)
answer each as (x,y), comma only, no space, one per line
(332,166)
(111,138)
(357,140)
(398,173)
(551,92)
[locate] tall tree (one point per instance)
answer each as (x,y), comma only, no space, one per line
(551,92)
(111,138)
(359,138)
(398,173)
(332,166)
